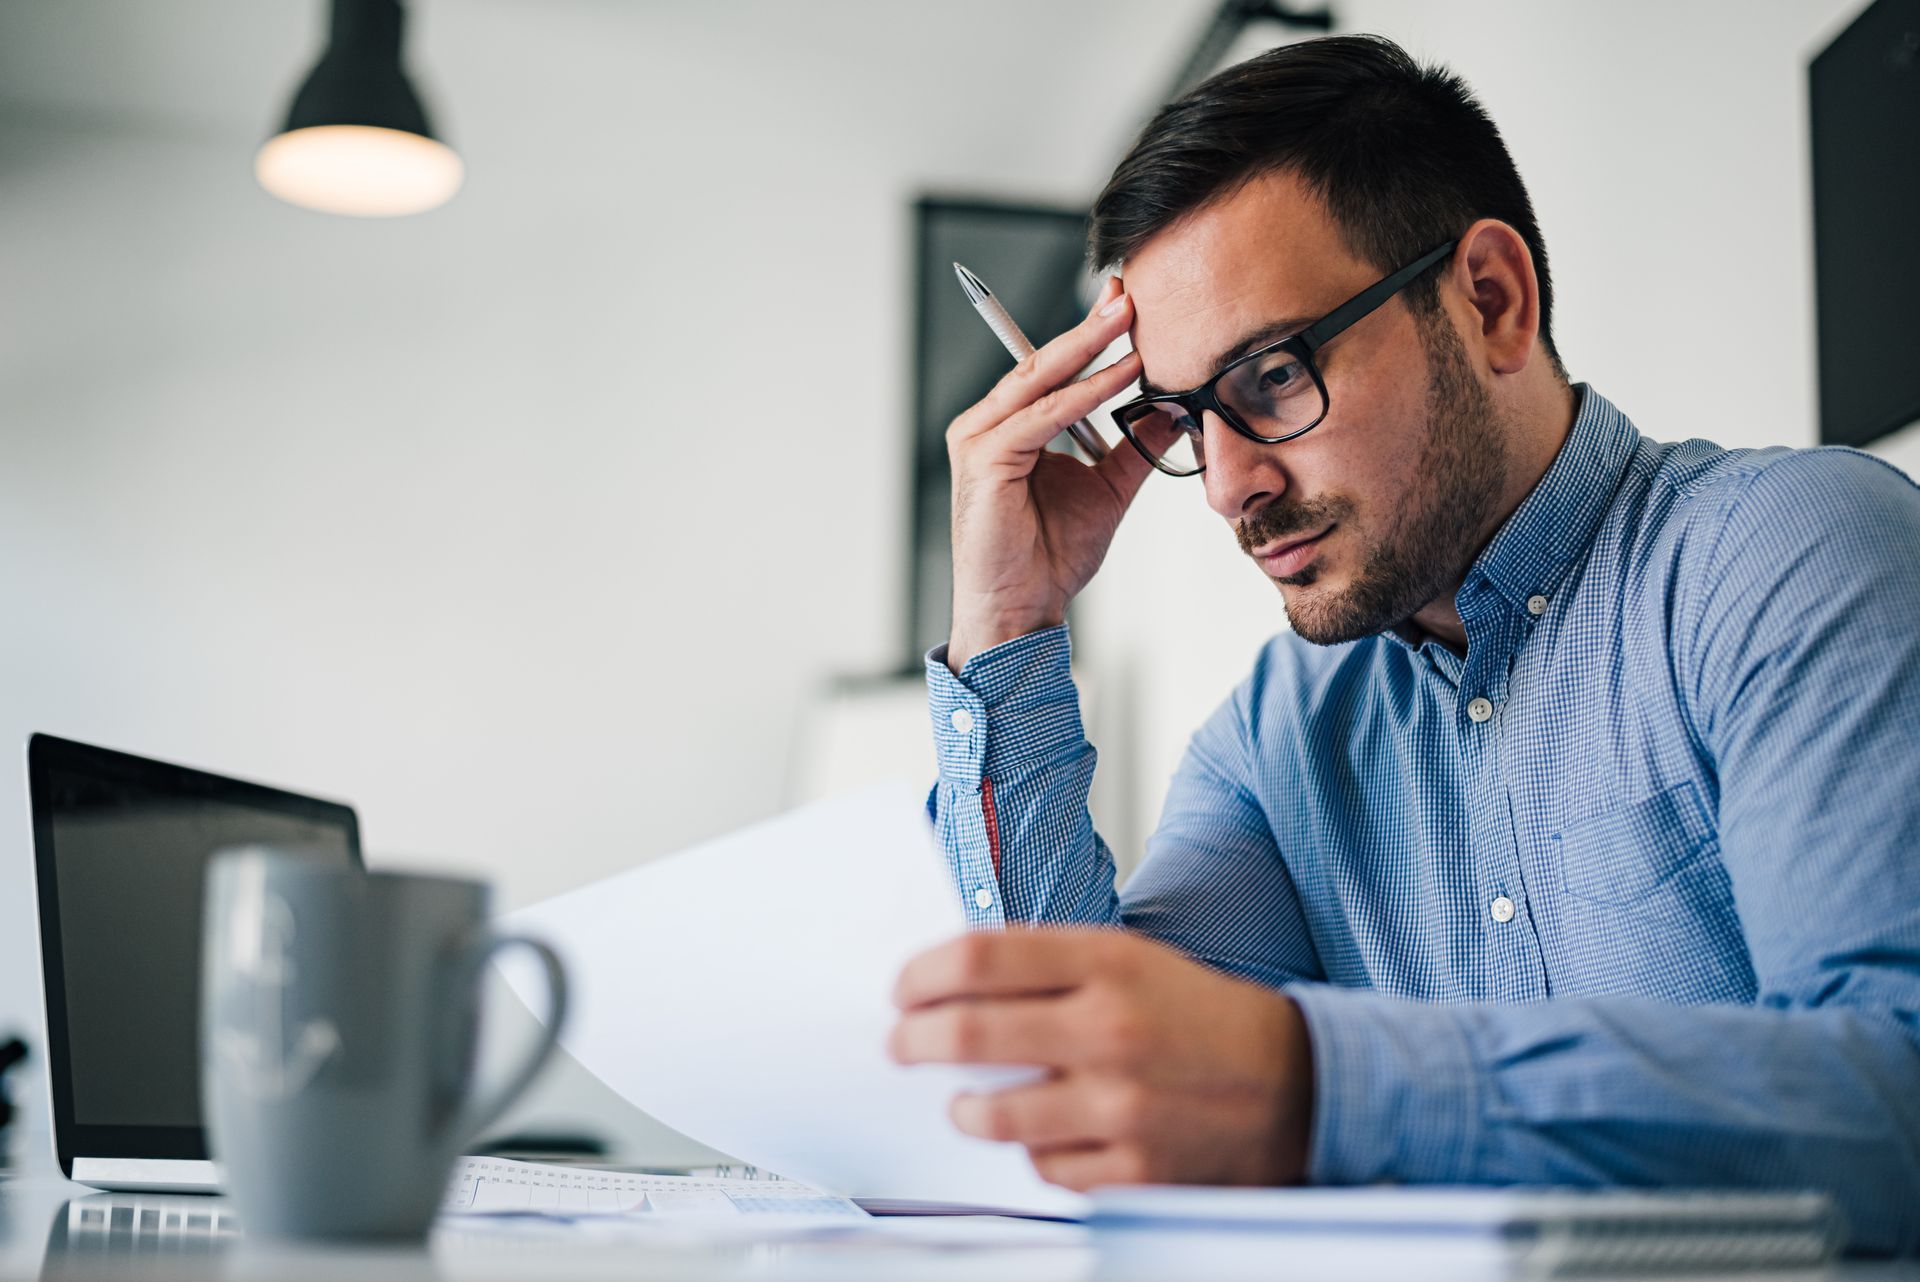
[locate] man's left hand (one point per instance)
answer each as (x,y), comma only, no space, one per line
(1160,1070)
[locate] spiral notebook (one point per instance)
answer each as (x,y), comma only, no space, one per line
(1555,1230)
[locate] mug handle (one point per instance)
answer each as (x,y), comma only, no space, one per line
(482,1113)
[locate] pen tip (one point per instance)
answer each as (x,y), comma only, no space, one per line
(975,287)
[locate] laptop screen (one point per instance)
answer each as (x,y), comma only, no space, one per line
(122,845)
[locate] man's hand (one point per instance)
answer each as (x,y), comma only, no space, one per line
(1160,1070)
(1030,527)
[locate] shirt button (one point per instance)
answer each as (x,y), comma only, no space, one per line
(1479,709)
(961,720)
(1536,605)
(1502,908)
(983,898)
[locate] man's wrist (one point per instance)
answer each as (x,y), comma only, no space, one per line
(968,640)
(1292,1056)
(1397,1088)
(1009,708)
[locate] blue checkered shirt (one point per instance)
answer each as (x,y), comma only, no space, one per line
(1629,894)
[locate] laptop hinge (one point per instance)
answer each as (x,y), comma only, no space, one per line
(147,1174)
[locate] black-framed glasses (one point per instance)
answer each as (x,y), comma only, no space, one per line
(1270,395)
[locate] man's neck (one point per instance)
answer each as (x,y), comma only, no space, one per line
(1536,443)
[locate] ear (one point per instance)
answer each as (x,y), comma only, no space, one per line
(1493,270)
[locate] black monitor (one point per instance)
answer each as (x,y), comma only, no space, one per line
(1864,90)
(120,848)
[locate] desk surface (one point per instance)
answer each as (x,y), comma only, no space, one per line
(51,1229)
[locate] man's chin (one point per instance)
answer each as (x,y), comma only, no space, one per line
(1303,596)
(1322,609)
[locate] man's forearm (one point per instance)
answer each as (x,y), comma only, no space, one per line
(1620,1091)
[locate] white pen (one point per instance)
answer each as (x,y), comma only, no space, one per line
(1009,334)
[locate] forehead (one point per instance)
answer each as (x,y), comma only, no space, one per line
(1265,253)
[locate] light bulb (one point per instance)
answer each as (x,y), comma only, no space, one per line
(359,169)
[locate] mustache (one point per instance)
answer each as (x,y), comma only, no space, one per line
(1285,518)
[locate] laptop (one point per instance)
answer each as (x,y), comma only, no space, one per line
(120,847)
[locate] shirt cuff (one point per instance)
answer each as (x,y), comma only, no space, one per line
(1011,706)
(1396,1092)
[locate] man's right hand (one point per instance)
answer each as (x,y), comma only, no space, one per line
(1030,527)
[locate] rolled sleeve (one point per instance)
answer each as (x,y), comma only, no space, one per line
(1010,707)
(1015,766)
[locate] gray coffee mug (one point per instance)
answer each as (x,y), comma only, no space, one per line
(339,1023)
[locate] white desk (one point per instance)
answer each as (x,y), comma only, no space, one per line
(52,1231)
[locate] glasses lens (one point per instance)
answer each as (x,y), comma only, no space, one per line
(1169,436)
(1274,394)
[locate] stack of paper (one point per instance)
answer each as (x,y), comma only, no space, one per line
(497,1186)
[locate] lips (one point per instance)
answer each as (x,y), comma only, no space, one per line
(1284,559)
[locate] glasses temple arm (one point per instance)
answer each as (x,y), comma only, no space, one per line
(1330,326)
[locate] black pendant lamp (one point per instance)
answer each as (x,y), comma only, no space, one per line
(356,139)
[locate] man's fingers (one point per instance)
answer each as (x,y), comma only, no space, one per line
(1020,1030)
(1048,368)
(1006,963)
(1086,1168)
(1047,417)
(1068,1111)
(1126,470)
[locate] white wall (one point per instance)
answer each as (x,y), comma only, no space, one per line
(531,525)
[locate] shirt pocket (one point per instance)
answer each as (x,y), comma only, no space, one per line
(1625,854)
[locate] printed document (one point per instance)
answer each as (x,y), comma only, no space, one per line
(740,993)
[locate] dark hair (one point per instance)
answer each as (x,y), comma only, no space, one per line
(1402,155)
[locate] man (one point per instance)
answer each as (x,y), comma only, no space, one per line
(1573,834)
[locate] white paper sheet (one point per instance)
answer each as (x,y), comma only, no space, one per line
(740,992)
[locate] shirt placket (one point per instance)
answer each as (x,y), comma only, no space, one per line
(1515,968)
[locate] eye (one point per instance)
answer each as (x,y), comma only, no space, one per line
(1282,375)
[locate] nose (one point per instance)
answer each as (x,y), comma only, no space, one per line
(1241,475)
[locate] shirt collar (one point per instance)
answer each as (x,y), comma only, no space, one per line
(1531,552)
(1554,525)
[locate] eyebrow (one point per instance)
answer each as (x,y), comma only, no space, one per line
(1259,338)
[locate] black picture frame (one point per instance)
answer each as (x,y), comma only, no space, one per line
(1863,93)
(1033,257)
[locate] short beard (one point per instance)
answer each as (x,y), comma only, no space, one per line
(1442,520)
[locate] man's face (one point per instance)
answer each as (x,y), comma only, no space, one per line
(1381,508)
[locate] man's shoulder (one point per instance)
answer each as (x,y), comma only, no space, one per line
(1296,680)
(1293,687)
(1699,469)
(1694,505)
(1731,554)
